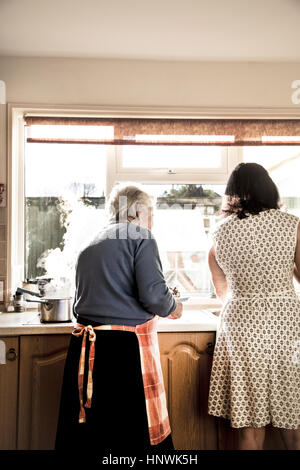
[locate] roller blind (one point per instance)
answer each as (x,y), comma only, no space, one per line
(134,131)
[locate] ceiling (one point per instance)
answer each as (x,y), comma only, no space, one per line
(227,30)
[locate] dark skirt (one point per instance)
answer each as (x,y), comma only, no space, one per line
(117,419)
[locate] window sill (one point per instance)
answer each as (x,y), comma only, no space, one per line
(196,303)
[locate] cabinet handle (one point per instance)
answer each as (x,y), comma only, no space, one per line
(11,354)
(210,349)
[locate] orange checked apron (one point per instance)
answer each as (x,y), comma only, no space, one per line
(157,413)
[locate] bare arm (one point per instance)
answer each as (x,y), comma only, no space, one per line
(218,276)
(297,256)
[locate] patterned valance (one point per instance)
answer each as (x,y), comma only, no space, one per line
(157,131)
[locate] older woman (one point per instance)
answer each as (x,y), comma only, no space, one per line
(255,377)
(113,393)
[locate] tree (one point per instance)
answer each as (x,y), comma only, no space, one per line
(190,190)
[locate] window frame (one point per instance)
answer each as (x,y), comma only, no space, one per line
(15,163)
(231,157)
(170,171)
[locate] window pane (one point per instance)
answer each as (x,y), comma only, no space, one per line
(184,217)
(64,199)
(64,170)
(164,156)
(283,165)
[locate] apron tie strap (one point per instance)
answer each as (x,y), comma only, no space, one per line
(79,331)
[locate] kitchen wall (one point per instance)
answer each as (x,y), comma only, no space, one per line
(141,83)
(155,83)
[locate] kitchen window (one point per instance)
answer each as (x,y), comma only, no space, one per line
(67,178)
(66,173)
(65,192)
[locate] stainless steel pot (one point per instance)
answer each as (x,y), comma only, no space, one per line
(55,310)
(51,310)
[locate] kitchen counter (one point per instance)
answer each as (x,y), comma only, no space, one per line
(31,379)
(28,323)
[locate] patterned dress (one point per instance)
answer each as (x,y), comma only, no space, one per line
(255,378)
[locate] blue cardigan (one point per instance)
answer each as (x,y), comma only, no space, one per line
(119,278)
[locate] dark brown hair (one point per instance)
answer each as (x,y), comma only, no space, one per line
(250,190)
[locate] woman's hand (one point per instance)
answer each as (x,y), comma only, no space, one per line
(177,312)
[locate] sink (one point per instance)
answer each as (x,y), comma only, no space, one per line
(192,316)
(191,320)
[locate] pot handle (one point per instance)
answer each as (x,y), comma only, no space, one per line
(20,290)
(39,301)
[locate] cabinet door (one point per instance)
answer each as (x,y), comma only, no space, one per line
(9,352)
(42,360)
(186,359)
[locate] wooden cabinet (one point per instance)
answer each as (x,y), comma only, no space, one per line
(42,360)
(9,358)
(186,359)
(31,371)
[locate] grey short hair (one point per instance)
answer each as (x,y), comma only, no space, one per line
(125,199)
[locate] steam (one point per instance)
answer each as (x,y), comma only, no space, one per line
(82,224)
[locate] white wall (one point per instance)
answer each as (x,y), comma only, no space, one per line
(148,83)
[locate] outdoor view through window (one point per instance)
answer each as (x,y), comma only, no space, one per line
(65,193)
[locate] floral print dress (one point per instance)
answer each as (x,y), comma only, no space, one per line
(255,378)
